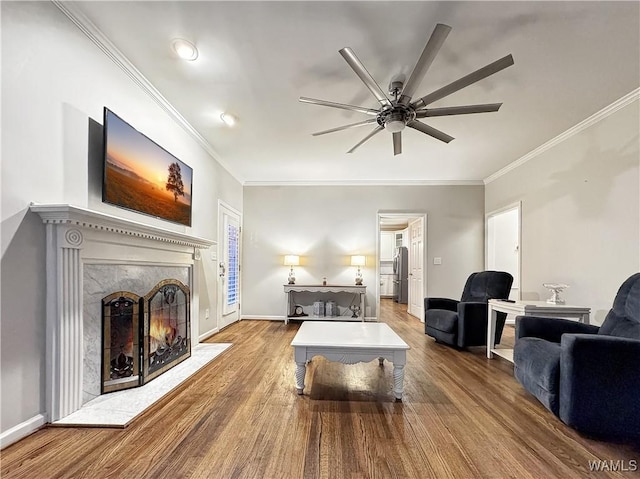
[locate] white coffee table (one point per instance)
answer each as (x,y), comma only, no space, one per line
(349,343)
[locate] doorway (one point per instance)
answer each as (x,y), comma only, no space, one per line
(503,251)
(229,231)
(409,231)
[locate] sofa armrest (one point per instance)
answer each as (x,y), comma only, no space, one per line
(440,303)
(600,384)
(550,329)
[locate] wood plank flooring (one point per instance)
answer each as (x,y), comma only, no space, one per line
(462,416)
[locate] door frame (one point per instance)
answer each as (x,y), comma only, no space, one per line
(512,206)
(226,208)
(407,215)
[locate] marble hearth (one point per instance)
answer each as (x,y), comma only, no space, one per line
(89,255)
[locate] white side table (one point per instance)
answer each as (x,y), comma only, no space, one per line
(527,308)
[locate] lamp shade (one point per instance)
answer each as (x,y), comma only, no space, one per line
(358,260)
(291,260)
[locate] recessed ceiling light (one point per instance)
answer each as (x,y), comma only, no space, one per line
(185,49)
(228,119)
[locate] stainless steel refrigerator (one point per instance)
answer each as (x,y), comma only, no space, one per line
(401,275)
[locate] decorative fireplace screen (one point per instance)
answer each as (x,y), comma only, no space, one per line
(166,328)
(144,336)
(121,333)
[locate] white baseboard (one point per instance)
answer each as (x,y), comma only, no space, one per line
(22,430)
(207,335)
(263,317)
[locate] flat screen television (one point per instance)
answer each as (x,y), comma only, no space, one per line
(141,176)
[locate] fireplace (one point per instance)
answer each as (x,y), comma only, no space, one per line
(143,337)
(91,255)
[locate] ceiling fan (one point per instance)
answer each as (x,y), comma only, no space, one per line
(399,111)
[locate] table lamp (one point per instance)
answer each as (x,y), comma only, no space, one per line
(358,261)
(291,260)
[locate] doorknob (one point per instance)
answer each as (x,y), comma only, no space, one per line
(222,269)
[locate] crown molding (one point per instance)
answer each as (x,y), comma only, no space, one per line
(94,34)
(366,183)
(583,125)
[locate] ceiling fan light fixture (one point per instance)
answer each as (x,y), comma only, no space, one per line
(184,49)
(394,126)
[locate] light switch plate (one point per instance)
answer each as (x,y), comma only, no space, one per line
(437,260)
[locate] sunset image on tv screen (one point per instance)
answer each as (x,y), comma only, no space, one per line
(140,175)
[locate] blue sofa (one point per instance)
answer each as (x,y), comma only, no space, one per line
(586,375)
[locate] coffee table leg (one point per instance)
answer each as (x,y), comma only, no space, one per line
(398,381)
(301,370)
(381,361)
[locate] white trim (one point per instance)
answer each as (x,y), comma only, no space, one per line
(22,430)
(512,206)
(208,334)
(225,208)
(265,317)
(372,182)
(584,124)
(409,215)
(116,56)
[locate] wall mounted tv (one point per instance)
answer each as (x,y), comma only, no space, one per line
(140,175)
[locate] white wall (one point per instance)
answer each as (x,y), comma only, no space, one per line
(327,224)
(580,212)
(55,82)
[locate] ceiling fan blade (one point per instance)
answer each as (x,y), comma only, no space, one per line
(377,130)
(360,109)
(458,110)
(465,81)
(397,143)
(429,53)
(345,127)
(364,75)
(429,130)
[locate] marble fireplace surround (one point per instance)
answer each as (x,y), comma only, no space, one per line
(81,243)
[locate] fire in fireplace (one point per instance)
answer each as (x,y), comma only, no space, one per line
(144,336)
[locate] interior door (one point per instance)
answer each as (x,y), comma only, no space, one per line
(503,244)
(229,265)
(416,268)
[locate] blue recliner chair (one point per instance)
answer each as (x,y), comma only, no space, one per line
(464,323)
(589,376)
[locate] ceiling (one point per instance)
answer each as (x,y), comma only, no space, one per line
(257,58)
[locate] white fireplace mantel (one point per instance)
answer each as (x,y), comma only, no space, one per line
(73,215)
(78,236)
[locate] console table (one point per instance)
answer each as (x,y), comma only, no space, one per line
(289,289)
(527,308)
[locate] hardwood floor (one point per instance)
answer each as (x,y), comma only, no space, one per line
(462,416)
